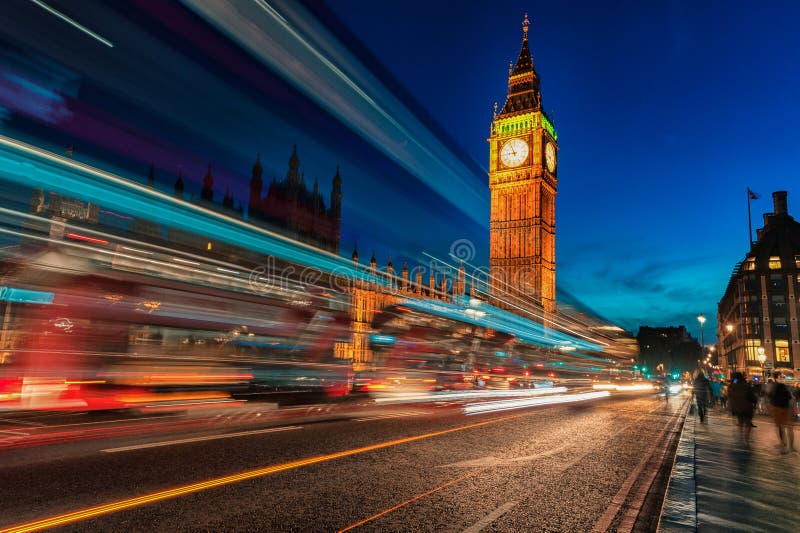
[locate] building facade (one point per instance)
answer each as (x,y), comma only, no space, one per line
(368,298)
(288,207)
(294,209)
(523,184)
(758,314)
(668,348)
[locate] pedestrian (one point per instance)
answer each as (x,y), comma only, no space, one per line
(702,393)
(766,392)
(716,391)
(724,396)
(742,399)
(796,393)
(758,389)
(780,399)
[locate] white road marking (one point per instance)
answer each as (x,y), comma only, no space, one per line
(495,461)
(135,420)
(198,439)
(491,517)
(22,422)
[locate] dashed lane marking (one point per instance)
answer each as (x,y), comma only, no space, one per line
(198,439)
(489,518)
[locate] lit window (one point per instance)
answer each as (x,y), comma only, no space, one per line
(797,261)
(750,264)
(752,349)
(774,262)
(782,351)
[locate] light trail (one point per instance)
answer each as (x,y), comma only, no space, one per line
(289,39)
(487,315)
(526,311)
(129,503)
(390,398)
(31,166)
(73,23)
(412,500)
(505,405)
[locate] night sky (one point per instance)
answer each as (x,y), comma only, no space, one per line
(666,113)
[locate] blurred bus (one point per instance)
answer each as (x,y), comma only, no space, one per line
(92,339)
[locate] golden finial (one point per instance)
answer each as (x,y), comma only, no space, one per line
(525,24)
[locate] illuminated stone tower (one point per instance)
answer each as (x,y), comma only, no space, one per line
(523,183)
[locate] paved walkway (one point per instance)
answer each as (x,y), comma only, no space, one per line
(719,485)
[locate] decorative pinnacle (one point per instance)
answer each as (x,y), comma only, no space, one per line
(525,24)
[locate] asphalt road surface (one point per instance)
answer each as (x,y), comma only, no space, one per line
(589,466)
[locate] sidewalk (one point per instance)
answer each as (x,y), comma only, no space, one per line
(719,485)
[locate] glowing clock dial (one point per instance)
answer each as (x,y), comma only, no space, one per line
(514,153)
(550,157)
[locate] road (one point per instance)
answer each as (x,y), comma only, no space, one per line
(415,467)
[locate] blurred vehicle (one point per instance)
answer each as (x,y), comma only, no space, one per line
(95,338)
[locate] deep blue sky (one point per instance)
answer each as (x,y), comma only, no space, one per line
(666,112)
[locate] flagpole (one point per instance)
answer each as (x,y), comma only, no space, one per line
(749,221)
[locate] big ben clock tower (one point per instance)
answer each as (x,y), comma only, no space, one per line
(523,183)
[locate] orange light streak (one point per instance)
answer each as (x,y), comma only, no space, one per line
(412,500)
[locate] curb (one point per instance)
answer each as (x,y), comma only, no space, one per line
(679,511)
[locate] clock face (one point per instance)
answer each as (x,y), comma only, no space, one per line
(550,157)
(514,153)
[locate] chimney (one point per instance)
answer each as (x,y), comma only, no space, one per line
(767,218)
(779,201)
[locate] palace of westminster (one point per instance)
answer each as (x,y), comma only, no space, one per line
(522,181)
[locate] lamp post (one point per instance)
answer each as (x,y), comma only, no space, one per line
(728,351)
(762,357)
(702,320)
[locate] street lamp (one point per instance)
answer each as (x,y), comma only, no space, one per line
(762,357)
(702,320)
(731,360)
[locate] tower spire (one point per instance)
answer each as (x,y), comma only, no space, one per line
(523,82)
(208,186)
(255,203)
(179,184)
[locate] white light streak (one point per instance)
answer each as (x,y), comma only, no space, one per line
(73,23)
(389,398)
(505,405)
(289,40)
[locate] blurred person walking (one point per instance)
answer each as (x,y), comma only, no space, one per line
(742,399)
(724,396)
(716,391)
(780,399)
(796,394)
(758,388)
(766,392)
(702,394)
